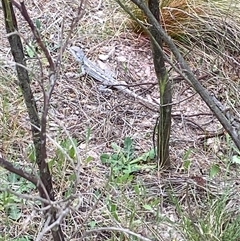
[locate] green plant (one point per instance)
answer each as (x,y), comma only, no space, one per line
(65,150)
(24,238)
(10,203)
(214,170)
(214,223)
(63,161)
(186,161)
(68,146)
(234,153)
(123,161)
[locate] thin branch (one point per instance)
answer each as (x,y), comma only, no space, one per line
(21,7)
(50,226)
(10,167)
(32,198)
(72,27)
(123,230)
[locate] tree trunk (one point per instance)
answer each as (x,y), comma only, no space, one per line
(164,120)
(39,138)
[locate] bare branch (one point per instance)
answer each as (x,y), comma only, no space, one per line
(32,198)
(51,225)
(24,12)
(123,230)
(10,167)
(72,27)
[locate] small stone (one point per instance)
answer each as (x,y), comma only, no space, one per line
(103,57)
(121,59)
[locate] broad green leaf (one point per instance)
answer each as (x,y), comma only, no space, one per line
(147,207)
(115,147)
(72,152)
(151,154)
(236,159)
(214,170)
(13,178)
(92,224)
(128,148)
(38,24)
(186,164)
(14,213)
(104,157)
(30,51)
(89,159)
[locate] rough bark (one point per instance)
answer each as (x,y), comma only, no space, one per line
(38,135)
(164,120)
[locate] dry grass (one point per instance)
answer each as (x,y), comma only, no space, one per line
(212,26)
(78,105)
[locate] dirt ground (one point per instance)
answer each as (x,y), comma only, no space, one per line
(78,104)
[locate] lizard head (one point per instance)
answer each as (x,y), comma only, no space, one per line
(77,53)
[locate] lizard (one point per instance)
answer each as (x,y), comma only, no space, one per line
(90,68)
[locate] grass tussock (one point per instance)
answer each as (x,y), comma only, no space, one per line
(213,26)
